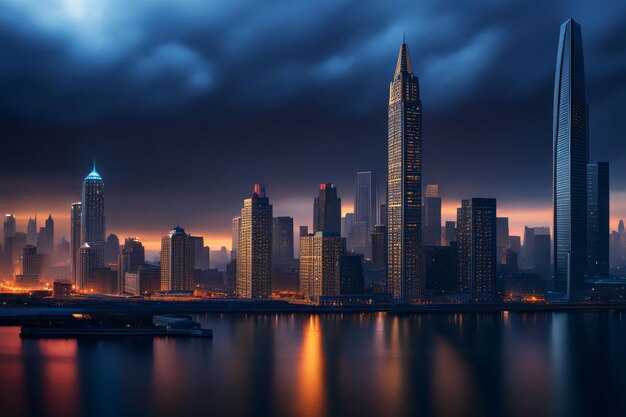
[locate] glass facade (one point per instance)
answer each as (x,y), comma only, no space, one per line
(570,139)
(404,182)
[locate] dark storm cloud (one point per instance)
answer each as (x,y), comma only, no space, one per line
(189,102)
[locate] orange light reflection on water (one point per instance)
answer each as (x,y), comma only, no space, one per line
(310,393)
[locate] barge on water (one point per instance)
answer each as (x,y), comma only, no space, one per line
(162,326)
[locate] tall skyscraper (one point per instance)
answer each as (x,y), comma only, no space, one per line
(320,255)
(91,258)
(93,223)
(327,210)
(31,232)
(75,241)
(9,230)
(598,219)
(571,154)
(476,251)
(282,240)
(450,232)
(404,182)
(254,253)
(432,216)
(45,238)
(130,258)
(201,255)
(177,261)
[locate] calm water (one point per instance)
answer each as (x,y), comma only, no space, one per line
(561,364)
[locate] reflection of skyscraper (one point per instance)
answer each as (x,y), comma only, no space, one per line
(177,261)
(327,210)
(598,219)
(432,216)
(282,240)
(254,254)
(75,240)
(404,181)
(571,154)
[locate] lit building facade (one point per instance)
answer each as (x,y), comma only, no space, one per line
(177,261)
(320,255)
(254,252)
(571,155)
(404,182)
(93,222)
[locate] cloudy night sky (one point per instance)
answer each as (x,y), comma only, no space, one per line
(185,104)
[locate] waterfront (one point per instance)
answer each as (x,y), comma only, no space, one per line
(374,364)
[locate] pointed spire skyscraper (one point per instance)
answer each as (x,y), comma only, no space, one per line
(404,182)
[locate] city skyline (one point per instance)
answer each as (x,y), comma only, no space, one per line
(132,187)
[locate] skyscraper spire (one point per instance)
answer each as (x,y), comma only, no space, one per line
(404,60)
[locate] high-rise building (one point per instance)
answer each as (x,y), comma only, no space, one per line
(476,252)
(201,255)
(9,226)
(598,219)
(111,249)
(515,244)
(91,258)
(131,257)
(432,216)
(571,154)
(350,274)
(304,230)
(75,241)
(30,260)
(93,222)
(31,232)
(327,210)
(177,260)
(450,233)
(502,238)
(282,240)
(320,255)
(382,215)
(9,232)
(254,253)
(236,230)
(365,205)
(379,247)
(404,182)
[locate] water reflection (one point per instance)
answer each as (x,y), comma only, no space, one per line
(511,364)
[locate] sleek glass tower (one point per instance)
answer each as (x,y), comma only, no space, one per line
(571,154)
(93,225)
(404,181)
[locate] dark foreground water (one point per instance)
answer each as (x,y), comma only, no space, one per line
(561,364)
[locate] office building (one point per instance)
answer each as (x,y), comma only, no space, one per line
(502,238)
(92,206)
(432,216)
(404,182)
(111,249)
(382,215)
(541,256)
(476,253)
(449,233)
(31,231)
(598,219)
(379,247)
(571,155)
(282,240)
(143,281)
(254,253)
(350,274)
(177,261)
(201,255)
(327,210)
(45,238)
(91,257)
(365,204)
(320,255)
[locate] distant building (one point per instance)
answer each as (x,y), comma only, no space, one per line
(61,289)
(91,257)
(327,210)
(45,239)
(502,238)
(515,244)
(379,247)
(304,230)
(30,260)
(365,204)
(236,230)
(320,255)
(31,232)
(131,257)
(254,253)
(432,216)
(450,233)
(542,264)
(9,227)
(75,241)
(404,182)
(350,274)
(282,240)
(598,219)
(201,253)
(476,252)
(111,249)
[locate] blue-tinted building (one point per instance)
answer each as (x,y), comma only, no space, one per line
(571,154)
(93,224)
(598,219)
